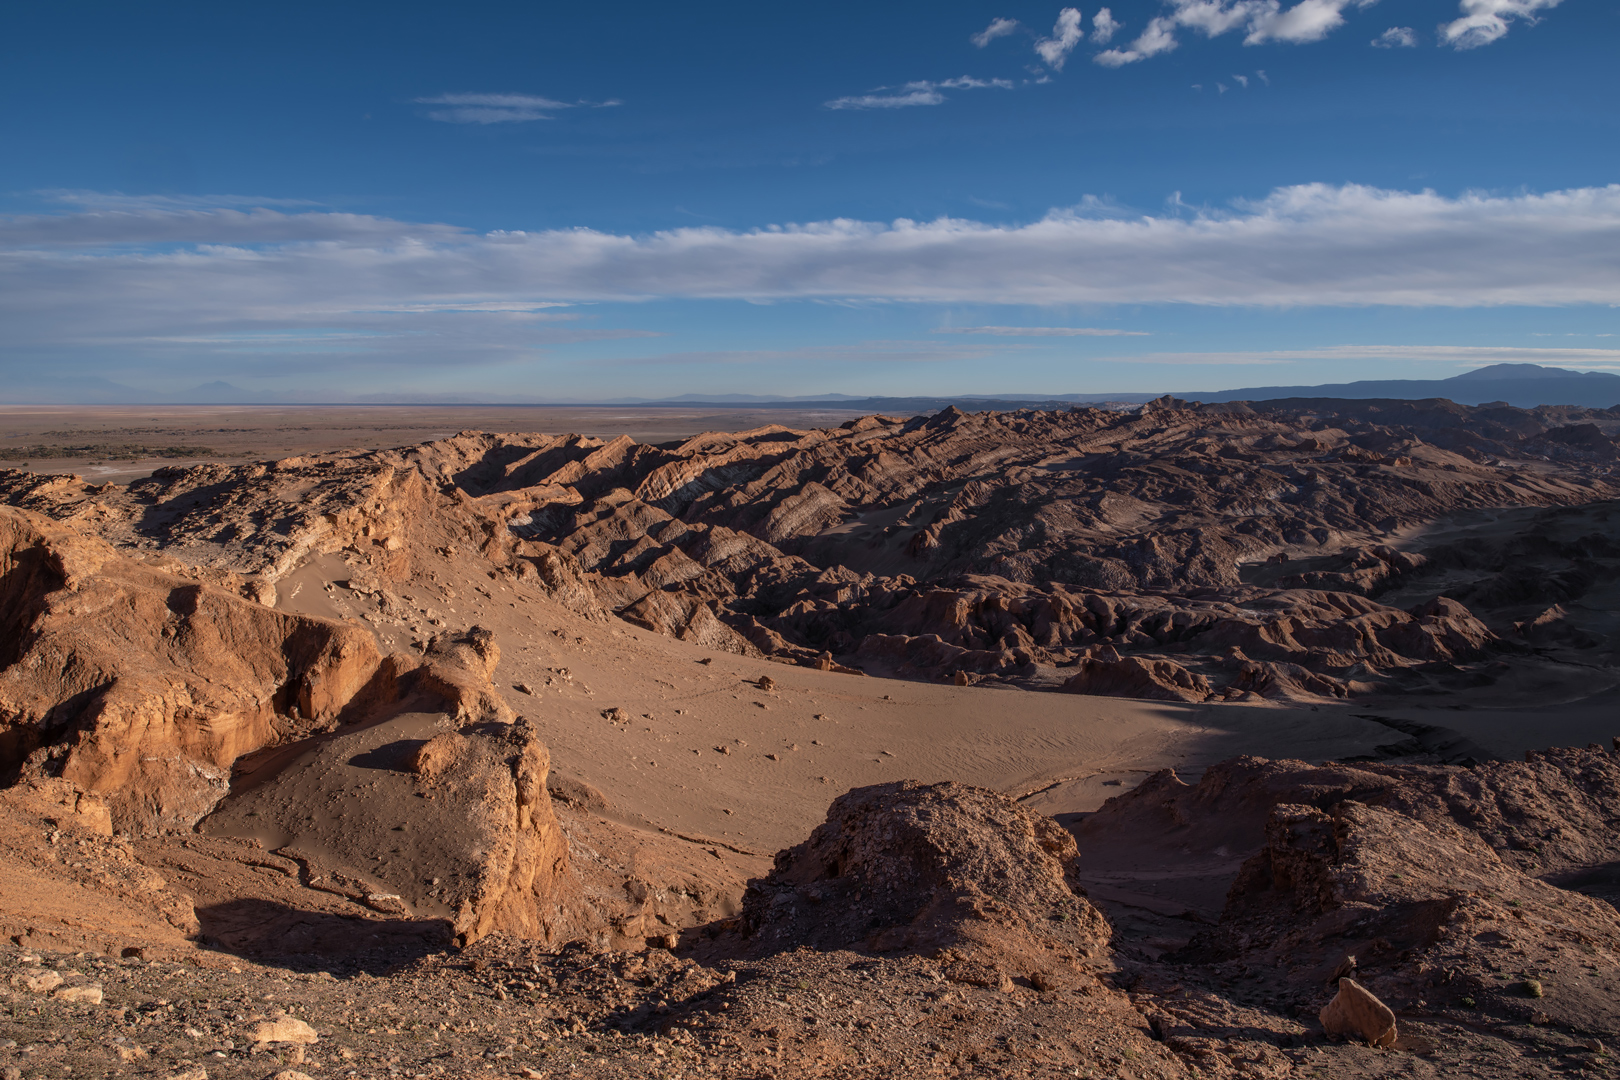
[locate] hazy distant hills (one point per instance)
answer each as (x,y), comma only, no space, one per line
(1523,385)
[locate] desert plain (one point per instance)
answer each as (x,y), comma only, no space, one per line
(443,741)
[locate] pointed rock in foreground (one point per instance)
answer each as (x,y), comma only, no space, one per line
(1356,1012)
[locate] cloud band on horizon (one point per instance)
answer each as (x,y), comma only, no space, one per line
(118,277)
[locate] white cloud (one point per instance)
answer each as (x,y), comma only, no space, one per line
(997,28)
(920,92)
(1216,17)
(1241,80)
(1066,34)
(1306,21)
(1103,27)
(1042,331)
(499,108)
(1396,37)
(1485,21)
(116,283)
(1261,21)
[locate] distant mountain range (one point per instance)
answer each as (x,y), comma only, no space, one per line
(1521,385)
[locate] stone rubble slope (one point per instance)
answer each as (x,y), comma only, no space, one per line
(1469,893)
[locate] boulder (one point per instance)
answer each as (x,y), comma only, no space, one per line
(1355,1012)
(456,669)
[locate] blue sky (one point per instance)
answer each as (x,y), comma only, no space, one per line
(540,202)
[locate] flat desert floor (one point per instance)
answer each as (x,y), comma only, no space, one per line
(119,444)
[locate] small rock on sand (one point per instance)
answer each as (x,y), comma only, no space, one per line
(388,904)
(285,1029)
(43,983)
(81,995)
(1354,1011)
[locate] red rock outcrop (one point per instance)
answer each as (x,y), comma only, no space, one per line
(141,687)
(516,877)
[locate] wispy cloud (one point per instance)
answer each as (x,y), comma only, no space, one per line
(1396,37)
(1463,356)
(117,200)
(968,82)
(1159,37)
(997,28)
(500,108)
(925,94)
(100,282)
(1042,331)
(1066,34)
(1485,21)
(920,92)
(866,352)
(1260,22)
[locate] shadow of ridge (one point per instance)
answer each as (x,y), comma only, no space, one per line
(389,757)
(283,936)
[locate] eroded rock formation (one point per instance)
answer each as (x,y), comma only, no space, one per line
(132,691)
(1226,553)
(142,686)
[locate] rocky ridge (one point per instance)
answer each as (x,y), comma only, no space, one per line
(1181,552)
